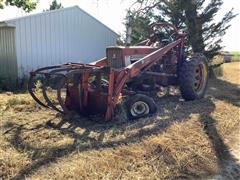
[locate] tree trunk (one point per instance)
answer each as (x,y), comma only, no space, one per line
(194,27)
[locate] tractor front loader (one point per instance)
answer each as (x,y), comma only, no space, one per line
(125,75)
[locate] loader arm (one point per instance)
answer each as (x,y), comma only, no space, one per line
(136,68)
(147,61)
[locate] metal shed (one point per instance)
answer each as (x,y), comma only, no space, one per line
(52,37)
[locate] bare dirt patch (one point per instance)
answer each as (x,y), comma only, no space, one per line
(183,140)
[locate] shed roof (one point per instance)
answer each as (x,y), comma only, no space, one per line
(9,23)
(6,24)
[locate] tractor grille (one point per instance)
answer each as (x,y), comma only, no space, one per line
(114,58)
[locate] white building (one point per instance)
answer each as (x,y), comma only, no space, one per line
(52,37)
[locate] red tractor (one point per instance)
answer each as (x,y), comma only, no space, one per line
(126,75)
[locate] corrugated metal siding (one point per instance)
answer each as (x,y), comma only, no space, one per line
(8,62)
(59,37)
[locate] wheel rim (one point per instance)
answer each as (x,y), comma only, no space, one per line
(200,77)
(139,108)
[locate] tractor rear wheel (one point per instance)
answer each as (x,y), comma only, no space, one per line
(193,77)
(139,106)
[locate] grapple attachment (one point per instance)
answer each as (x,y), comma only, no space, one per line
(85,88)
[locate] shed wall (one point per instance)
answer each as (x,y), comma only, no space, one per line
(57,37)
(8,62)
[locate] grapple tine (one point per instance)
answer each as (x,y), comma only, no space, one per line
(59,94)
(49,102)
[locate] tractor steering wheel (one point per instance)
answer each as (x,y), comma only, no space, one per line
(157,35)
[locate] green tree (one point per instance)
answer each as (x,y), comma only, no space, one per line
(140,26)
(26,5)
(196,17)
(55,5)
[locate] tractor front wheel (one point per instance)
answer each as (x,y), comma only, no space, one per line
(193,77)
(139,106)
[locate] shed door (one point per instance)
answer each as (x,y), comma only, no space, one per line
(8,60)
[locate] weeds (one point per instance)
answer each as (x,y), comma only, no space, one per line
(38,87)
(18,101)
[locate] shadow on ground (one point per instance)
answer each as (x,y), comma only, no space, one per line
(171,109)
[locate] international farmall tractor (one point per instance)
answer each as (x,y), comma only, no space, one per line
(125,76)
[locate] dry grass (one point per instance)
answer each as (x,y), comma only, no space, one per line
(233,75)
(184,140)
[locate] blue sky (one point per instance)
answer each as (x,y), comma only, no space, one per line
(112,13)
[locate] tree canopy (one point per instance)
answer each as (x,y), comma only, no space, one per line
(26,5)
(196,17)
(55,5)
